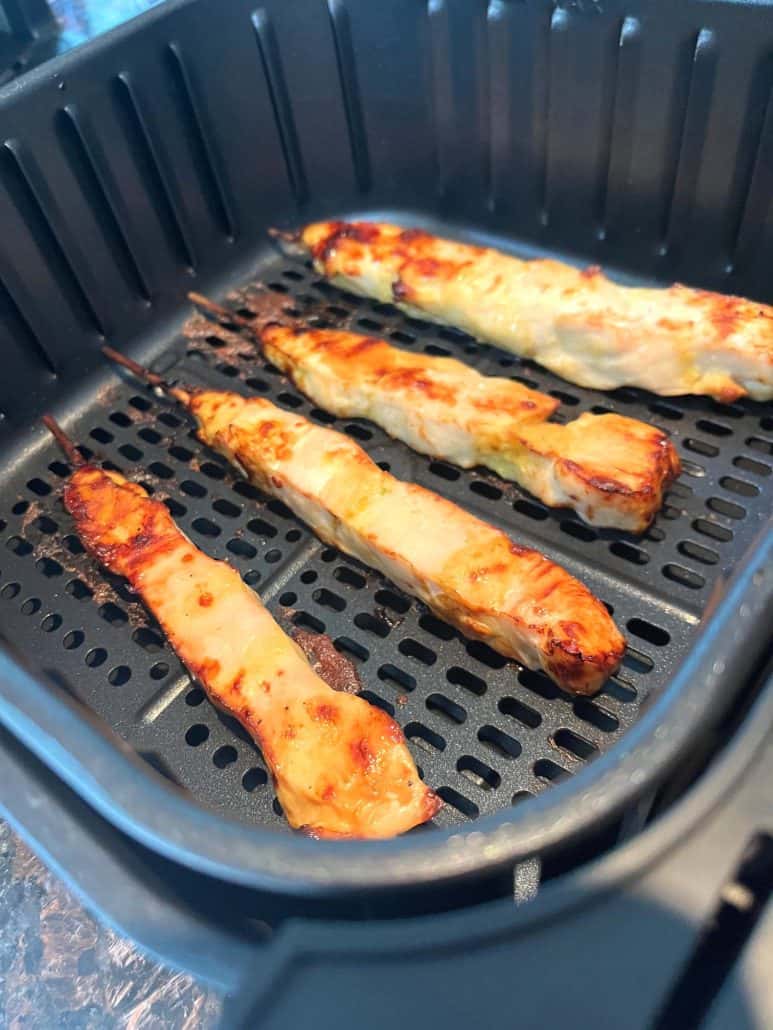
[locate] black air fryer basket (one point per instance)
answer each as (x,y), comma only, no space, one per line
(606,860)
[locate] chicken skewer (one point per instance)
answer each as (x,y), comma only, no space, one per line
(340,765)
(612,470)
(578,324)
(466,571)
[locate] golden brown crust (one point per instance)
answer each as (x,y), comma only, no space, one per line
(337,762)
(613,470)
(471,574)
(579,324)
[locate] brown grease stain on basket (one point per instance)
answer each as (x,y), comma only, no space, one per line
(328,663)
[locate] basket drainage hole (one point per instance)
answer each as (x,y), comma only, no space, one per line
(159,670)
(78,589)
(379,702)
(95,657)
(413,649)
(699,553)
(544,769)
(305,621)
(739,486)
(521,796)
(223,507)
(73,639)
(578,530)
(727,508)
(10,590)
(18,545)
(288,598)
(500,743)
(646,631)
(225,756)
(351,648)
(51,622)
(310,575)
(343,575)
(112,614)
(39,487)
(254,778)
(327,599)
(148,640)
(119,675)
(477,772)
(31,606)
(192,489)
(447,472)
(424,737)
(446,709)
(459,802)
(679,574)
(392,674)
(462,678)
(539,684)
(629,553)
(206,527)
(437,627)
(575,745)
(596,716)
(521,712)
(484,654)
(381,628)
(197,734)
(389,599)
(241,548)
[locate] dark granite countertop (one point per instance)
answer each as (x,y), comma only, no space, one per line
(60,968)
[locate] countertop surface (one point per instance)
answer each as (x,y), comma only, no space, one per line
(60,968)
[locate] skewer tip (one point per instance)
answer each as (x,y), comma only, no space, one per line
(72,453)
(151,378)
(220,313)
(288,242)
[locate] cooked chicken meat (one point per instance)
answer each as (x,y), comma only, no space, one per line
(578,324)
(340,765)
(469,573)
(612,470)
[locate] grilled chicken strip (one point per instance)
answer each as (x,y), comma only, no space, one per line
(612,470)
(340,766)
(578,324)
(469,573)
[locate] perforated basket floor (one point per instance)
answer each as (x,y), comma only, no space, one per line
(485,733)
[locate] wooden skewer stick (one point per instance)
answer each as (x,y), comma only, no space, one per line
(151,378)
(221,314)
(72,453)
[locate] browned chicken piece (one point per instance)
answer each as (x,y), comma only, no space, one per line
(469,573)
(466,571)
(612,470)
(578,324)
(340,766)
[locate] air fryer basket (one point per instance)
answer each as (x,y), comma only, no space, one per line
(152,162)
